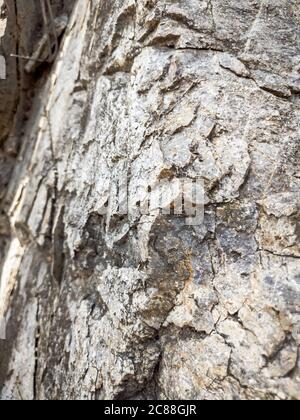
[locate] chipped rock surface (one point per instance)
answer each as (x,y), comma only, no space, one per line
(102,305)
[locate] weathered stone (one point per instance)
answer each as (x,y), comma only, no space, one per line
(102,303)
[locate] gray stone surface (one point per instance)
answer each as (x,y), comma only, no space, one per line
(111,306)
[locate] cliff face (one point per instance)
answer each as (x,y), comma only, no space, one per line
(104,305)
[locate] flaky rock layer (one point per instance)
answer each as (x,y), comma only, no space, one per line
(146,306)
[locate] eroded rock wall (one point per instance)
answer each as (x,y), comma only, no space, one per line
(111,306)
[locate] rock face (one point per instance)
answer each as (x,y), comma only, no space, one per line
(102,305)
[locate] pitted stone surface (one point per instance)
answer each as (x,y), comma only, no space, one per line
(135,306)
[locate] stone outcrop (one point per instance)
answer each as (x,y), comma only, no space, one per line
(110,306)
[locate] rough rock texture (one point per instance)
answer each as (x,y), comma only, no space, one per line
(110,306)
